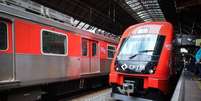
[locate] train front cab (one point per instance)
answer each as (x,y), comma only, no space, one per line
(142,64)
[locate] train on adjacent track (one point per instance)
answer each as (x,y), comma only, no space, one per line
(142,66)
(47,58)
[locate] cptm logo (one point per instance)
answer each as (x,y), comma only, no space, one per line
(133,67)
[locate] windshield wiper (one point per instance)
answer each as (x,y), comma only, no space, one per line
(133,56)
(143,51)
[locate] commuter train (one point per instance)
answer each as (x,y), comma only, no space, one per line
(47,58)
(142,66)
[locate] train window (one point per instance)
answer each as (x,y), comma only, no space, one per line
(3,36)
(94,49)
(84,47)
(54,43)
(111,51)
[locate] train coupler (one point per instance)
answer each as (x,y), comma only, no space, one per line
(128,88)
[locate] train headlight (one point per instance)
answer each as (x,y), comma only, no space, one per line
(151,71)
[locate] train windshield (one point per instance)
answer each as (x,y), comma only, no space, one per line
(138,46)
(140,50)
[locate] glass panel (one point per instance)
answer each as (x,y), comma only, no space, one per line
(94,49)
(111,50)
(3,36)
(110,54)
(84,47)
(133,47)
(54,43)
(140,53)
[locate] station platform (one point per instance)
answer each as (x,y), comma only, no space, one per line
(188,88)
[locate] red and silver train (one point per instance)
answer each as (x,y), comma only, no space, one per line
(142,64)
(48,56)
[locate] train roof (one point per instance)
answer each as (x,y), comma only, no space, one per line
(13,11)
(145,28)
(150,23)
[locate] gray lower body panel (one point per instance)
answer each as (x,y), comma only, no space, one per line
(33,67)
(42,69)
(6,67)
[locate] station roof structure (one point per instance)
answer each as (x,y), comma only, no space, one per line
(116,15)
(189,17)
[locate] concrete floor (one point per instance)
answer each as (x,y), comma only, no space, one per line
(101,95)
(192,88)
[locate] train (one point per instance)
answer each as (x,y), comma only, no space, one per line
(142,66)
(41,58)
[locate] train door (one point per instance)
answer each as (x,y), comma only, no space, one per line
(6,51)
(90,62)
(94,57)
(85,60)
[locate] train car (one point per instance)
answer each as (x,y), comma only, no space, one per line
(41,58)
(142,63)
